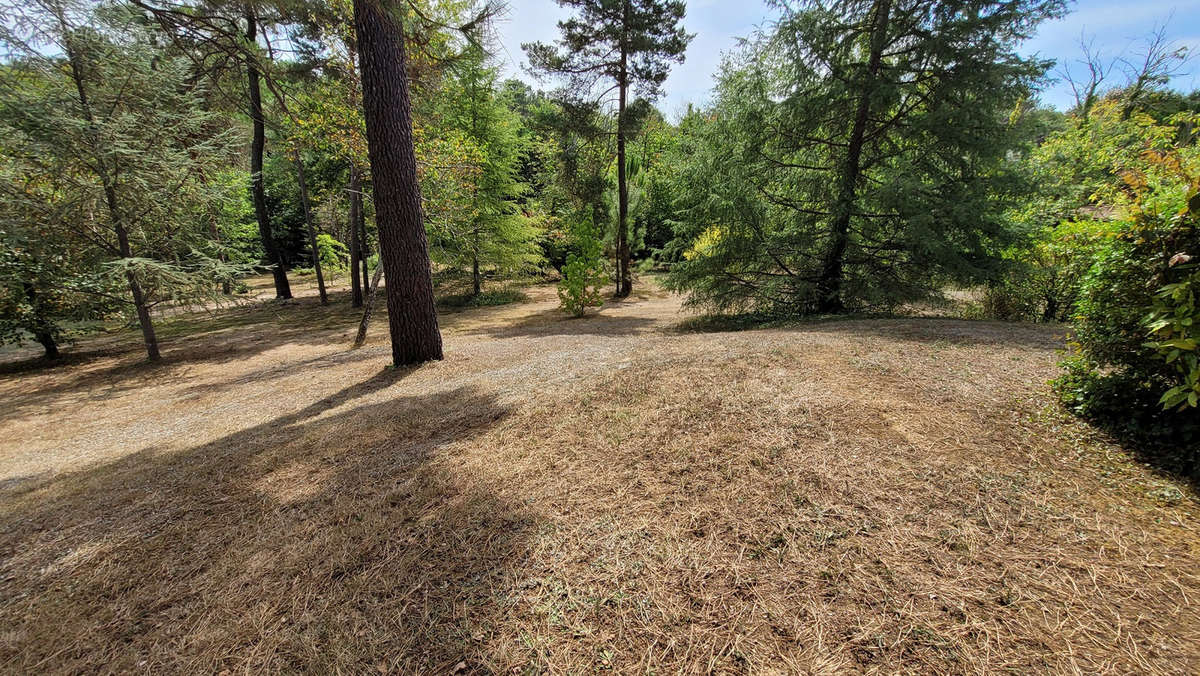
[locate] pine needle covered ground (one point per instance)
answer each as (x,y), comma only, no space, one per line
(569,496)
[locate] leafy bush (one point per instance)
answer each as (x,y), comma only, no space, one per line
(1135,367)
(486,298)
(1175,321)
(1044,278)
(1126,404)
(583,275)
(334,256)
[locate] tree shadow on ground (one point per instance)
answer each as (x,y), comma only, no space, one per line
(1127,413)
(555,322)
(332,539)
(233,334)
(225,333)
(910,329)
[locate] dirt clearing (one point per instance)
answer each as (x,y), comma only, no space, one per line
(572,496)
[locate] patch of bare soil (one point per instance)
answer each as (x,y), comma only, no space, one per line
(571,496)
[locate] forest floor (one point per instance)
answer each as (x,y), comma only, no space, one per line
(625,492)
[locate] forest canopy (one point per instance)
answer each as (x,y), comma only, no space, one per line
(858,156)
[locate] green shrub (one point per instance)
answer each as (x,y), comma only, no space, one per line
(1125,403)
(1134,370)
(1175,321)
(583,274)
(334,256)
(487,298)
(1044,277)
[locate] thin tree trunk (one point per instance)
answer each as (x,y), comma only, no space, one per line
(135,289)
(829,285)
(368,307)
(624,275)
(41,333)
(359,224)
(114,211)
(364,245)
(403,248)
(477,283)
(356,292)
(257,145)
(308,224)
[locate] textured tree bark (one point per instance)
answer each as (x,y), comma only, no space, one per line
(829,285)
(403,248)
(624,274)
(308,224)
(258,143)
(356,291)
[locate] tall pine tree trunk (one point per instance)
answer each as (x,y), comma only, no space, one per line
(624,274)
(356,291)
(403,248)
(829,285)
(258,143)
(308,224)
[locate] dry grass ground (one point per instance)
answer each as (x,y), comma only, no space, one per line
(570,496)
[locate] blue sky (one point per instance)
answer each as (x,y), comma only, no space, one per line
(1116,28)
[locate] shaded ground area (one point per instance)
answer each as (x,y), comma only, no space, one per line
(577,495)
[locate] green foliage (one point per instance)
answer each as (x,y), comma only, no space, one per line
(109,143)
(490,231)
(334,257)
(647,32)
(1077,170)
(583,275)
(333,254)
(1174,322)
(1126,404)
(821,183)
(489,298)
(1043,276)
(1135,322)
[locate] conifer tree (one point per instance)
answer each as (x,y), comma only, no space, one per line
(495,234)
(403,247)
(117,135)
(855,158)
(630,43)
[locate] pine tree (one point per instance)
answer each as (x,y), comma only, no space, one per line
(496,234)
(117,133)
(403,248)
(861,155)
(631,43)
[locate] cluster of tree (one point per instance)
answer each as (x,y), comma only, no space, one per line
(156,152)
(859,155)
